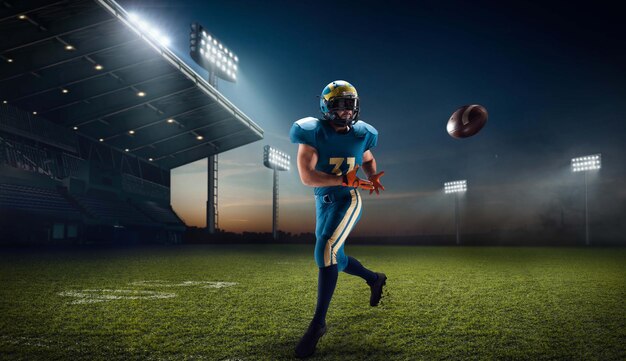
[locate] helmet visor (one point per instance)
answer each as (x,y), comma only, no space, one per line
(343,104)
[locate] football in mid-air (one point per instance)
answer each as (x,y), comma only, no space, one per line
(467,121)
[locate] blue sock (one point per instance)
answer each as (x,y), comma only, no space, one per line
(355,268)
(326,283)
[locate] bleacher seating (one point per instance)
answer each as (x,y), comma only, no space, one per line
(111,210)
(38,158)
(159,213)
(41,201)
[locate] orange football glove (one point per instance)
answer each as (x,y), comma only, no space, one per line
(351,180)
(375,179)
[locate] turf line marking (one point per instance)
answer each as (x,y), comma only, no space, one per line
(104,295)
(204,284)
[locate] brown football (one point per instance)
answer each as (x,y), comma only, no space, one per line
(467,121)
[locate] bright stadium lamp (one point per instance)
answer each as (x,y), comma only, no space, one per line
(277,161)
(586,164)
(211,55)
(456,187)
(147,29)
(223,62)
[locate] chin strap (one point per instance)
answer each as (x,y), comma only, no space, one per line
(338,121)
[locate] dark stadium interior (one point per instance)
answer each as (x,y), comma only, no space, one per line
(93,116)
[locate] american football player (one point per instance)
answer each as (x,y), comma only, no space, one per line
(330,151)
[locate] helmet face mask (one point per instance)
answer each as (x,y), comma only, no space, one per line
(340,103)
(339,96)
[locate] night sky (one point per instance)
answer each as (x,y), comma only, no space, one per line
(552,77)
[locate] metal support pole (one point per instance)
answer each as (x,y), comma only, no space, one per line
(457,217)
(587,242)
(211,202)
(275,207)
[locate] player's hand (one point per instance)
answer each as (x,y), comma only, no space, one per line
(375,179)
(351,180)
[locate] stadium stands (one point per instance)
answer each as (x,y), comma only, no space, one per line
(159,213)
(40,201)
(93,116)
(110,210)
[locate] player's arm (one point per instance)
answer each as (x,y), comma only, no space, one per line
(369,167)
(369,163)
(307,160)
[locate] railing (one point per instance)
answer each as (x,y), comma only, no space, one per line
(19,121)
(132,184)
(53,163)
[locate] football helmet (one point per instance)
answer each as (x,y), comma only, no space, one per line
(339,95)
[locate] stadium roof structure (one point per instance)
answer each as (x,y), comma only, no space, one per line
(85,65)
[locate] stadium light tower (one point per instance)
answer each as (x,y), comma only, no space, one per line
(456,187)
(586,164)
(277,161)
(212,55)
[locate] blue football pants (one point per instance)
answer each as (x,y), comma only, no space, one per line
(336,216)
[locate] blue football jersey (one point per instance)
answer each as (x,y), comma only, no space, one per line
(337,153)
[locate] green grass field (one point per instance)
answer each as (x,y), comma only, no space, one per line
(158,303)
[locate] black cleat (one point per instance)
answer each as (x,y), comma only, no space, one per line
(377,289)
(306,346)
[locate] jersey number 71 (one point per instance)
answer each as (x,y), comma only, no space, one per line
(337,162)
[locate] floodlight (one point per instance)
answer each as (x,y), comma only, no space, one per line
(456,187)
(170,120)
(34,113)
(22,17)
(590,162)
(4,102)
(203,48)
(101,139)
(75,128)
(277,161)
(141,94)
(126,150)
(216,65)
(149,30)
(164,40)
(69,47)
(131,132)
(64,91)
(98,67)
(150,159)
(9,60)
(586,164)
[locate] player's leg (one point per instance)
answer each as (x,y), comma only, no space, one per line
(355,268)
(352,266)
(332,219)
